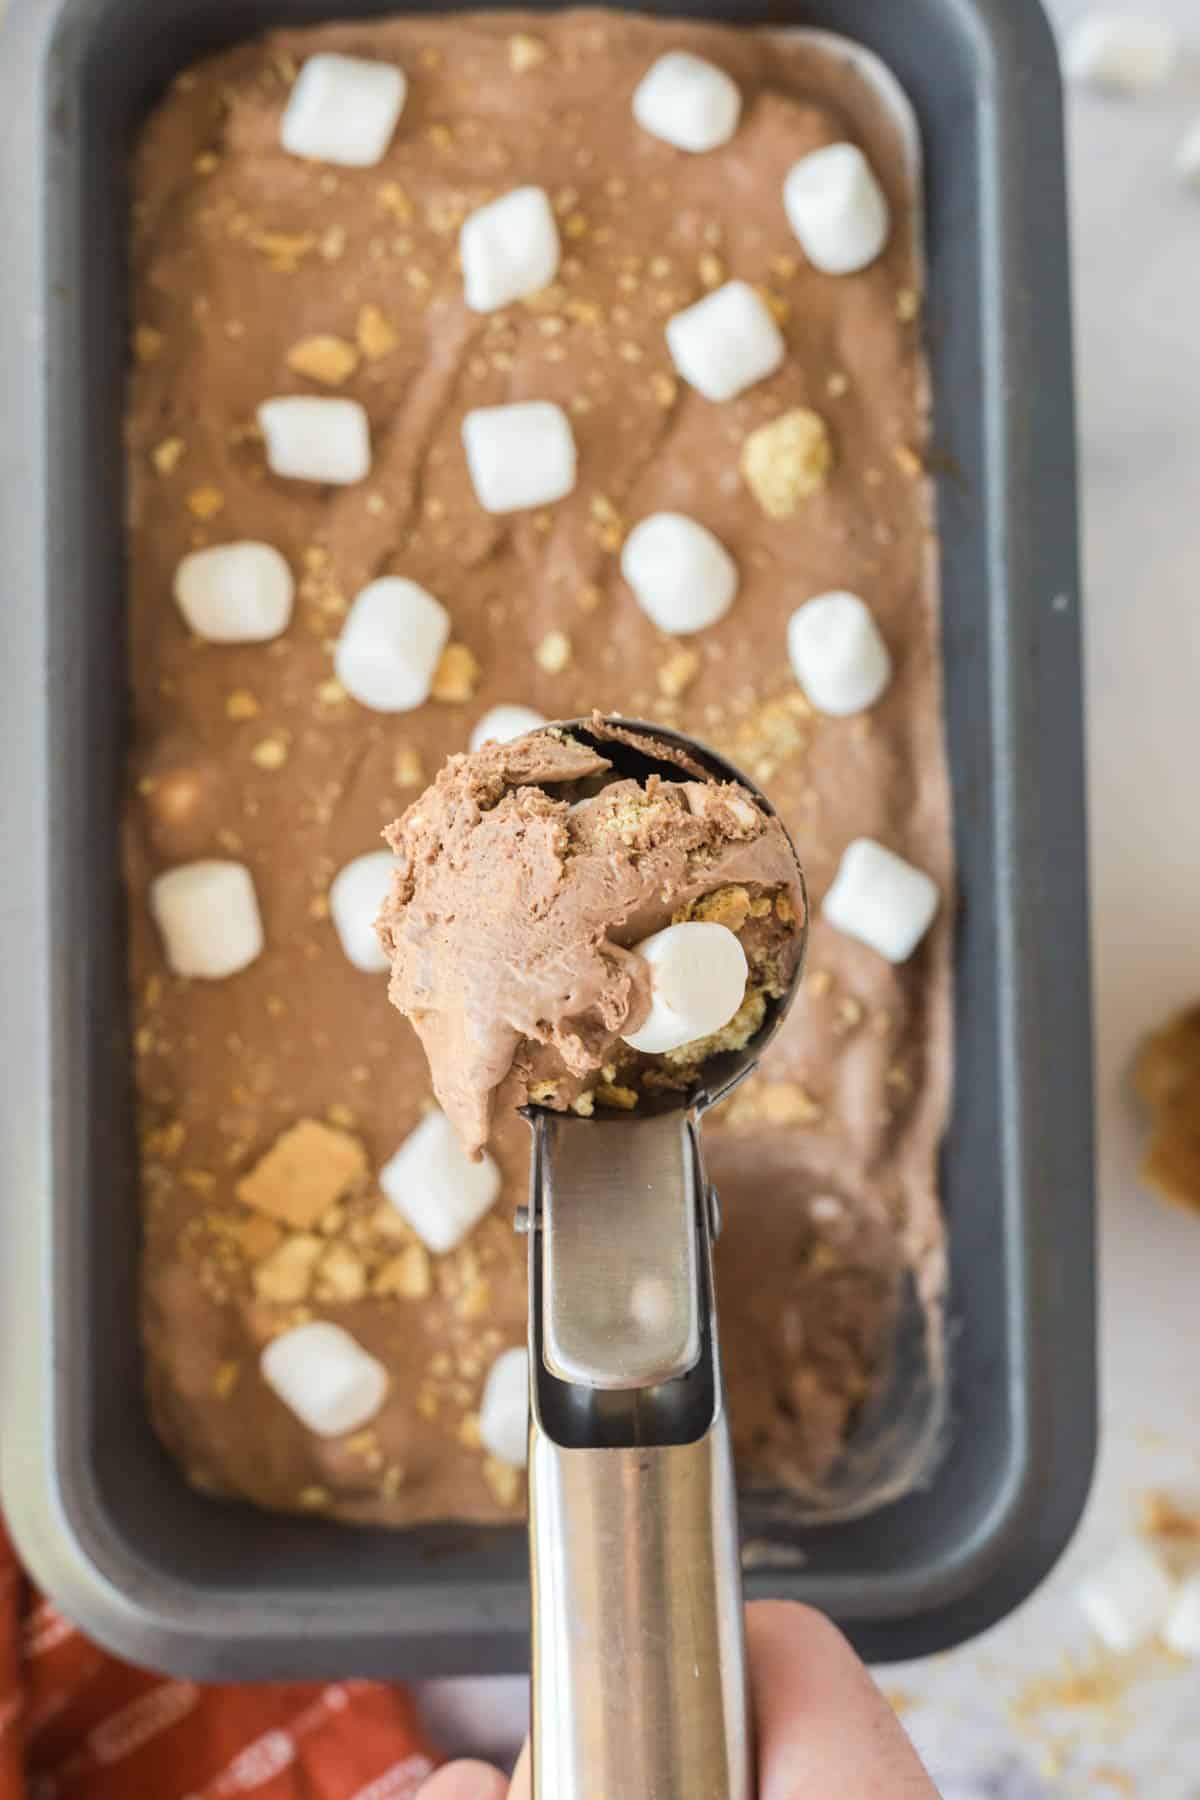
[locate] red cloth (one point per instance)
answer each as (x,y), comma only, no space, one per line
(77,1724)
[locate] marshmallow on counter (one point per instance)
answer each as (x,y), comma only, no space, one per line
(698,975)
(1187,159)
(356,894)
(325,1377)
(390,645)
(509,249)
(235,593)
(313,439)
(208,915)
(687,102)
(1124,53)
(433,1184)
(725,342)
(519,456)
(343,109)
(504,723)
(504,1409)
(1126,1598)
(837,654)
(1181,1633)
(681,575)
(881,900)
(837,209)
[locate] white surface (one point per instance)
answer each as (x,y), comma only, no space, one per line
(1136,252)
(356,893)
(208,915)
(509,249)
(435,1186)
(519,456)
(837,209)
(343,109)
(390,645)
(837,653)
(504,1409)
(725,342)
(1126,1597)
(235,593)
(325,1377)
(687,102)
(1182,1630)
(313,439)
(698,975)
(681,575)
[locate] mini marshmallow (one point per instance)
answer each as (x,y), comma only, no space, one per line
(1181,1633)
(343,109)
(725,342)
(356,894)
(509,248)
(504,1409)
(880,899)
(1126,1598)
(235,593)
(698,975)
(1187,159)
(1124,53)
(325,1377)
(390,645)
(208,915)
(313,439)
(433,1183)
(519,456)
(837,654)
(687,102)
(682,576)
(837,209)
(504,723)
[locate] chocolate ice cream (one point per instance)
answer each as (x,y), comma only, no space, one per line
(519,896)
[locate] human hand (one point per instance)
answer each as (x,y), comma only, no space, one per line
(822,1725)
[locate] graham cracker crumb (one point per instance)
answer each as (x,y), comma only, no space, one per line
(711,269)
(503,1480)
(525,53)
(837,385)
(287,1274)
(166,456)
(676,675)
(306,1170)
(728,906)
(271,753)
(241,704)
(787,460)
(407,769)
(907,461)
(394,201)
(147,343)
(256,1237)
(408,1275)
(226,1379)
(664,388)
(1163,1517)
(554,652)
(468,1431)
(341,1275)
(457,674)
(376,335)
(609,1093)
(584,1105)
(323,358)
(205,502)
(908,305)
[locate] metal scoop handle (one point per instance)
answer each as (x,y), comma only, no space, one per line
(639,1674)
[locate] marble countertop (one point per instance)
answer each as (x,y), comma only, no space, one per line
(1006,1717)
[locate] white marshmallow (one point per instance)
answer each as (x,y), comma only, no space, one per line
(343,109)
(208,915)
(1125,53)
(504,723)
(1187,159)
(325,1377)
(356,893)
(504,1409)
(837,654)
(837,209)
(725,342)
(880,899)
(1181,1633)
(390,645)
(687,102)
(235,593)
(313,439)
(519,456)
(698,975)
(681,575)
(509,248)
(435,1185)
(1125,1599)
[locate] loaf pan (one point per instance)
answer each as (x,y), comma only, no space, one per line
(103,1519)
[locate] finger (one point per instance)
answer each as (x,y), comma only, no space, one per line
(465,1781)
(823,1726)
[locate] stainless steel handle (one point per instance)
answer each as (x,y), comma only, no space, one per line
(639,1672)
